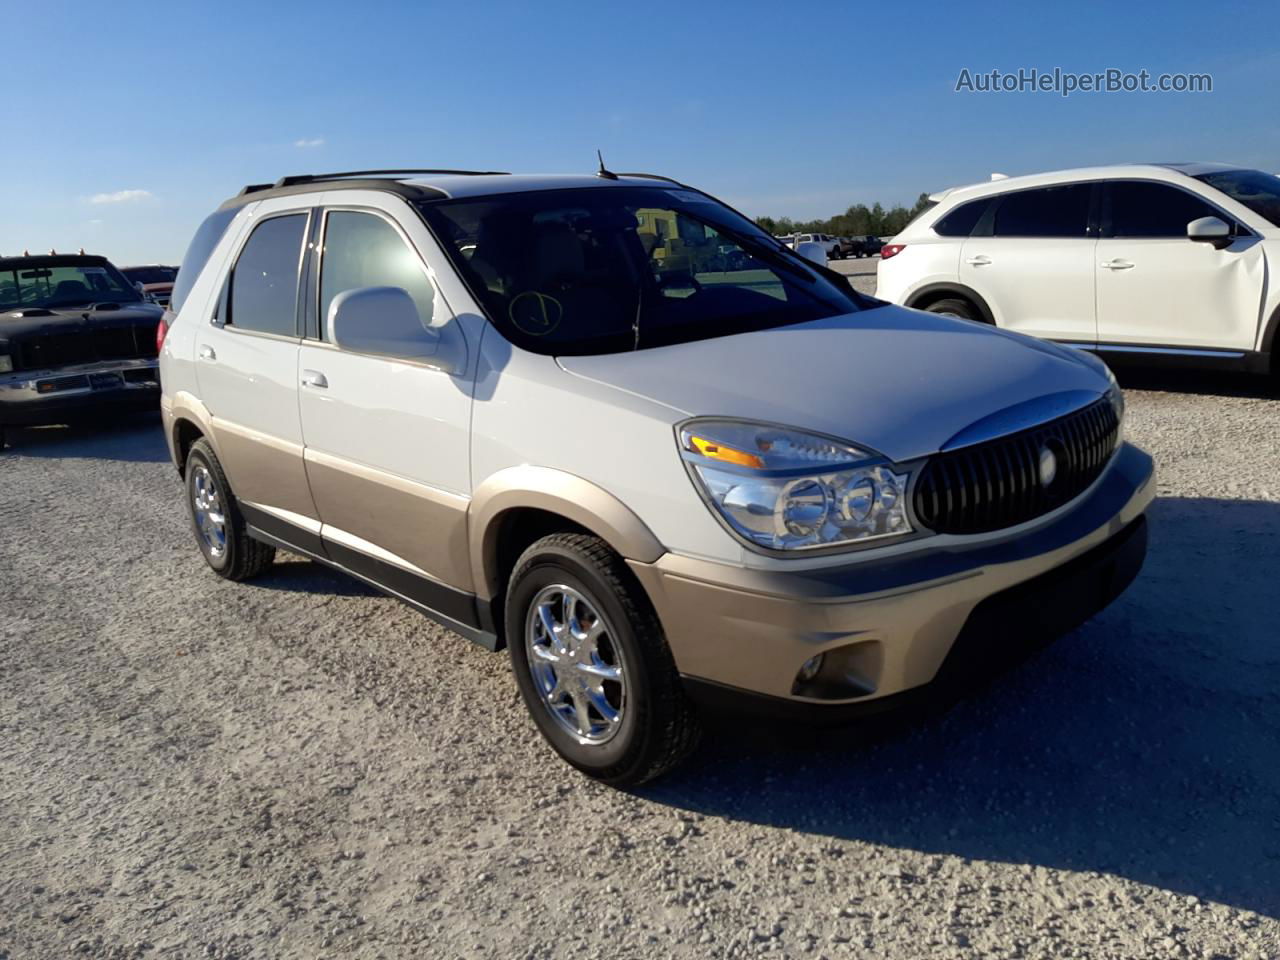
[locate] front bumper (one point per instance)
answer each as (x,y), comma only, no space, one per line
(889,627)
(38,397)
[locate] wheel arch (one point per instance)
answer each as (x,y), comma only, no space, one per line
(517,506)
(1268,346)
(189,421)
(933,292)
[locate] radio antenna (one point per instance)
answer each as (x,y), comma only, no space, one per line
(602,172)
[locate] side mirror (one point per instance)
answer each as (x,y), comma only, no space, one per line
(813,251)
(384,321)
(140,287)
(1209,230)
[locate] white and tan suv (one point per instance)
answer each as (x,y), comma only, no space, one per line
(610,424)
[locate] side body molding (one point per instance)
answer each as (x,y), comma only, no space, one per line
(543,488)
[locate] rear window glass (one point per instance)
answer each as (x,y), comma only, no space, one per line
(961,221)
(264,283)
(1047,212)
(198,252)
(150,274)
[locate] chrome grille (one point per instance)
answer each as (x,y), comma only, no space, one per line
(997,484)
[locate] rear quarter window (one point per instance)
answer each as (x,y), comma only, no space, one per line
(198,253)
(961,221)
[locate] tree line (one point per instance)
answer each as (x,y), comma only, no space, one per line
(858,221)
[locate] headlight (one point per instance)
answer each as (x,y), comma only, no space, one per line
(784,489)
(1116,396)
(6,363)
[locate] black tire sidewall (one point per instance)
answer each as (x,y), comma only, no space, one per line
(952,306)
(558,565)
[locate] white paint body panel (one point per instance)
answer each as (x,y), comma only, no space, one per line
(528,410)
(248,381)
(400,417)
(901,382)
(1036,285)
(1181,293)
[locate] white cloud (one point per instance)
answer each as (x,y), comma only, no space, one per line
(121,196)
(308,144)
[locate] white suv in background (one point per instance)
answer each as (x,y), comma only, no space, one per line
(1167,261)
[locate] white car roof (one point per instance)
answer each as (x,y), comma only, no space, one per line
(1154,171)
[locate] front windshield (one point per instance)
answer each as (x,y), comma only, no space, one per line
(612,269)
(49,282)
(1258,191)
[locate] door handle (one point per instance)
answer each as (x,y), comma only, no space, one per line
(314,378)
(208,353)
(1116,264)
(978,261)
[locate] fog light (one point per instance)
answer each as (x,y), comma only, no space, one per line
(809,669)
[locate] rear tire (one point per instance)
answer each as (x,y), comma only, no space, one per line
(592,664)
(955,307)
(216,520)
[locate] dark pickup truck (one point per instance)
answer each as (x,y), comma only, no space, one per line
(76,340)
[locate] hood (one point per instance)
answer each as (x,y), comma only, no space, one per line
(36,321)
(902,382)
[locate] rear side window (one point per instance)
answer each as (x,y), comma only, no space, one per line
(264,282)
(363,250)
(198,252)
(961,221)
(1152,210)
(1047,212)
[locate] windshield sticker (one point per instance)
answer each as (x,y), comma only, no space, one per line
(688,196)
(94,271)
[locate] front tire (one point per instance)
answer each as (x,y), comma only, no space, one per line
(592,664)
(216,520)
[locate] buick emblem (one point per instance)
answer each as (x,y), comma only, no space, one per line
(1048,467)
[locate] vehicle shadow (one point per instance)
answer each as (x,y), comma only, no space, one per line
(1209,382)
(295,574)
(134,438)
(1143,745)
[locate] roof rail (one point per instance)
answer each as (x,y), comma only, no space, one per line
(313,177)
(653,176)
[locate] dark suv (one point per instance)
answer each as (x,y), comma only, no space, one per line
(76,337)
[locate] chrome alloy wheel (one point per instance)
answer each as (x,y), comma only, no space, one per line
(575,666)
(206,507)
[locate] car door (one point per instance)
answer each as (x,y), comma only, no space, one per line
(1158,288)
(1031,258)
(387,440)
(247,366)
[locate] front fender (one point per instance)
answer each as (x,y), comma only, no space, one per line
(570,496)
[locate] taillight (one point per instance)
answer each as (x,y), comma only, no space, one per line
(891,250)
(162,328)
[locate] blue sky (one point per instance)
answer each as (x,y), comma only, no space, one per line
(138,119)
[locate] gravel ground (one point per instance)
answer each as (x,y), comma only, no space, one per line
(302,768)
